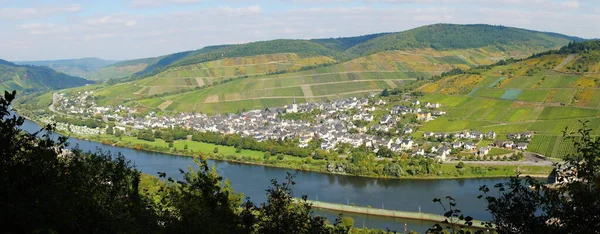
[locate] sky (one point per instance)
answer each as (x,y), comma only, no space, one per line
(129,29)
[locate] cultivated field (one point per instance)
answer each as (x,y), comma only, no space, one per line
(507,100)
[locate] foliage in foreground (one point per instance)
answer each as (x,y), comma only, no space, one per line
(46,188)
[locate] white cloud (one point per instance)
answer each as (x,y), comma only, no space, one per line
(570,4)
(241,10)
(111,20)
(158,3)
(13,13)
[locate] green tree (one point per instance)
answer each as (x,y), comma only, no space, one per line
(216,150)
(347,222)
(73,193)
(267,156)
(385,93)
(460,165)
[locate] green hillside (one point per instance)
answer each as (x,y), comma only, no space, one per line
(122,69)
(74,67)
(544,94)
(230,78)
(28,78)
(451,36)
(512,41)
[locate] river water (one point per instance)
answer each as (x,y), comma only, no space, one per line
(253,180)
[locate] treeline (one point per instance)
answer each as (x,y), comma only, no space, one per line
(273,146)
(90,123)
(450,36)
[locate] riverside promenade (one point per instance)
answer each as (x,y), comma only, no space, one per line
(477,224)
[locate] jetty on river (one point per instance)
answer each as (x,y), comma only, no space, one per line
(477,224)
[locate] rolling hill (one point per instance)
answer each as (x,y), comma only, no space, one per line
(74,67)
(27,78)
(229,78)
(547,94)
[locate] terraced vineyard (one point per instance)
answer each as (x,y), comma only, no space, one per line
(524,96)
(233,84)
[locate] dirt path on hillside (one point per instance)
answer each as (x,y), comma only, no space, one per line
(212,99)
(199,81)
(564,62)
(165,104)
(141,90)
(391,83)
(335,82)
(333,73)
(307,91)
(215,98)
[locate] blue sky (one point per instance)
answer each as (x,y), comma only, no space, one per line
(128,29)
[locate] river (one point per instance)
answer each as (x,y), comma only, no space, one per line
(252,180)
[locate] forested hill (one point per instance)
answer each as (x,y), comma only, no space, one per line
(27,78)
(452,36)
(515,42)
(75,67)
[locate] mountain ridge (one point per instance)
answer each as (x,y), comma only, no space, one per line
(346,48)
(30,78)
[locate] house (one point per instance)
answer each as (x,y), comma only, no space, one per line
(428,134)
(527,135)
(522,146)
(420,151)
(424,116)
(399,110)
(406,144)
(385,119)
(438,113)
(509,144)
(408,130)
(515,136)
(469,146)
(431,105)
(434,149)
(491,135)
(444,150)
(396,147)
(457,144)
(476,135)
(484,150)
(416,102)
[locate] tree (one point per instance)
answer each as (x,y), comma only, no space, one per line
(347,222)
(73,193)
(267,156)
(385,93)
(110,130)
(280,157)
(385,152)
(216,150)
(282,213)
(460,165)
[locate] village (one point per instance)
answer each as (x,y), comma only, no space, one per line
(368,121)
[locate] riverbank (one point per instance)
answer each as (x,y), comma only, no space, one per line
(477,224)
(231,154)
